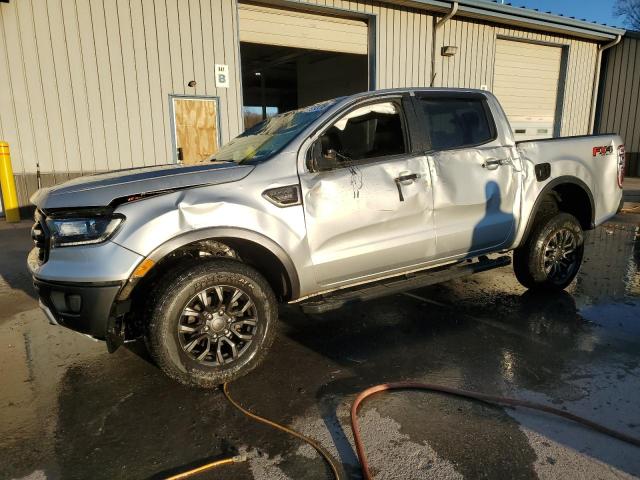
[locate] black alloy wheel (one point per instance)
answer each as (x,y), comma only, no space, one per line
(551,256)
(217,325)
(211,321)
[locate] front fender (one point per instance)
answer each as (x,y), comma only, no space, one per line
(158,225)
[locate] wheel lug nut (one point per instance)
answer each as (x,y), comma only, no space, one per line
(221,312)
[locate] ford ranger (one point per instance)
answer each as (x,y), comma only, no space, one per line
(342,201)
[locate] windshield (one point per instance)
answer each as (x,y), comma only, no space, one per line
(268,137)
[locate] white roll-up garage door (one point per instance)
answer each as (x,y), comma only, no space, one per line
(291,28)
(526,79)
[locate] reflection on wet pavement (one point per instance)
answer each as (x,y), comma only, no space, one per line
(70,410)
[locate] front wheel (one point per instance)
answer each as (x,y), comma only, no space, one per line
(552,254)
(211,323)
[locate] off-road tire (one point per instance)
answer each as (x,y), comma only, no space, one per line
(529,259)
(172,294)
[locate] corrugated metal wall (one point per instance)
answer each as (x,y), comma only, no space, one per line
(85,84)
(619,100)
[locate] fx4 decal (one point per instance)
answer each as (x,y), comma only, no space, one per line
(603,150)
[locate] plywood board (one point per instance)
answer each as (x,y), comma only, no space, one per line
(196,128)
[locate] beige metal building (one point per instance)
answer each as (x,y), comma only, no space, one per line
(95,85)
(619,102)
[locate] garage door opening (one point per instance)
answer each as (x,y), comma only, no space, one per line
(292,59)
(527,81)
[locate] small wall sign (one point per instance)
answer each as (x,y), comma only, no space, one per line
(222,76)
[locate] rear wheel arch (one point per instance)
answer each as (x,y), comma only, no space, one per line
(570,195)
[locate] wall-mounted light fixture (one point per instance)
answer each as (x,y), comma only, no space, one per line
(449,50)
(192,83)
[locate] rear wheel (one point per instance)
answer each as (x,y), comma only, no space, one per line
(211,323)
(552,255)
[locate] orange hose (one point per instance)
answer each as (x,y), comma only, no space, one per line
(326,456)
(204,468)
(491,399)
(355,425)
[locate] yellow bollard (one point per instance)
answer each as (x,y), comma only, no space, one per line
(8,185)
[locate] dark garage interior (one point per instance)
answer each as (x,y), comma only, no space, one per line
(276,79)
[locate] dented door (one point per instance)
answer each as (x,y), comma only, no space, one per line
(357,224)
(474,199)
(475,177)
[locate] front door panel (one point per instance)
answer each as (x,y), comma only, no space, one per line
(357,226)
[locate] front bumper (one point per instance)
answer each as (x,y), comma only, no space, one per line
(85,308)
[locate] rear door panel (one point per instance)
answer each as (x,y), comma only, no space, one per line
(473,205)
(474,197)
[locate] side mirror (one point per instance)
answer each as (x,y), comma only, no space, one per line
(319,161)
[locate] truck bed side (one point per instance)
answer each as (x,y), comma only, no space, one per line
(590,162)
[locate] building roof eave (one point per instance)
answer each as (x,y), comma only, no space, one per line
(520,17)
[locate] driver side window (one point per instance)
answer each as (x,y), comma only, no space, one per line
(370,131)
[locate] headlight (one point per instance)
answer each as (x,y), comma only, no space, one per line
(66,232)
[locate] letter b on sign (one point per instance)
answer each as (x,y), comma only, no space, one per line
(222,76)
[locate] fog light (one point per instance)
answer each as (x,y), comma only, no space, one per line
(58,300)
(74,302)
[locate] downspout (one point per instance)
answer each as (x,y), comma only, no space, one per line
(596,81)
(437,25)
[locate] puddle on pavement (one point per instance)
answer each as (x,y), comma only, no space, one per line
(610,269)
(74,409)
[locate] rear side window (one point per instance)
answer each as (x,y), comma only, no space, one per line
(456,122)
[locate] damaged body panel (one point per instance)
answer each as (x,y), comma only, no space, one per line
(103,188)
(479,214)
(334,196)
(356,223)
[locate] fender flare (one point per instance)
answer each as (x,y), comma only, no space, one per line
(236,233)
(548,188)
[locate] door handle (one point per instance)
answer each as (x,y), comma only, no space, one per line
(494,163)
(405,178)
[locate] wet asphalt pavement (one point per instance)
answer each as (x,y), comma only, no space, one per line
(68,409)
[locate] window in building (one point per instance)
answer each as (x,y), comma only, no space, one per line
(456,122)
(253,115)
(371,131)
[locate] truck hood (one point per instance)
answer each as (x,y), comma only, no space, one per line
(101,189)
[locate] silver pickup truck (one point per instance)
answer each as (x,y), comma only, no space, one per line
(339,202)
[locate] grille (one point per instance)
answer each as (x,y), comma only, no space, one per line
(40,237)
